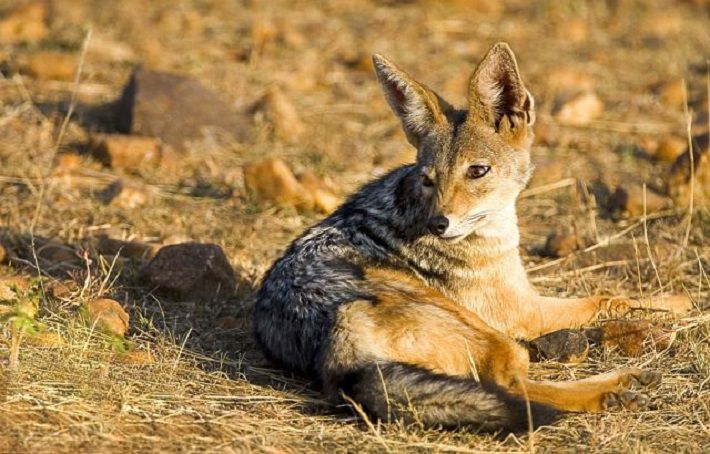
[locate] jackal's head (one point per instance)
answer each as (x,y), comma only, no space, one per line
(473,162)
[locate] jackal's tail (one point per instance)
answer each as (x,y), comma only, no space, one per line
(390,390)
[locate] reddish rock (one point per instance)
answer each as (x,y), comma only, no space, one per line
(24,23)
(629,200)
(189,271)
(107,315)
(128,152)
(50,65)
(560,245)
(631,336)
(580,110)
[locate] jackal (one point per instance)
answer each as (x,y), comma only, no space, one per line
(410,297)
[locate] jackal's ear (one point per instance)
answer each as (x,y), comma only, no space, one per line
(419,109)
(496,90)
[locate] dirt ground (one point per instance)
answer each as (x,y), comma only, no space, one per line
(188,377)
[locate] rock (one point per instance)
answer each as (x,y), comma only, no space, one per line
(66,164)
(24,23)
(128,249)
(4,254)
(108,315)
(568,79)
(574,30)
(679,181)
(64,289)
(324,200)
(629,200)
(671,93)
(281,115)
(549,171)
(175,109)
(670,147)
(136,358)
(127,152)
(55,252)
(273,180)
(189,271)
(122,195)
(560,245)
(50,65)
(580,110)
(103,48)
(630,336)
(661,23)
(566,345)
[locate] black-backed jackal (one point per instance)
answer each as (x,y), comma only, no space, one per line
(409,298)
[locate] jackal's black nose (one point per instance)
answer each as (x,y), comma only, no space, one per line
(438,225)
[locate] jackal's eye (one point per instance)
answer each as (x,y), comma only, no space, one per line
(477,171)
(427,182)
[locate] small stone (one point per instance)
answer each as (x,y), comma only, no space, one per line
(560,245)
(671,93)
(175,109)
(129,249)
(580,110)
(574,30)
(280,113)
(549,171)
(107,315)
(136,358)
(629,200)
(50,65)
(272,180)
(670,147)
(679,181)
(66,164)
(189,271)
(61,289)
(56,252)
(103,48)
(128,152)
(127,196)
(324,200)
(566,345)
(568,79)
(25,23)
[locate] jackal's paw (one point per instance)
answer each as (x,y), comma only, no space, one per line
(627,392)
(628,400)
(637,379)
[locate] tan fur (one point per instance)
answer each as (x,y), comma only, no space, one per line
(414,324)
(464,325)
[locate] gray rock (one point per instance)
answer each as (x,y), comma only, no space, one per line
(175,109)
(189,271)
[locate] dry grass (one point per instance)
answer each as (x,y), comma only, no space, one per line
(209,388)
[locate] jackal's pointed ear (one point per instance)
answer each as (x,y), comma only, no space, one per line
(419,109)
(497,91)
